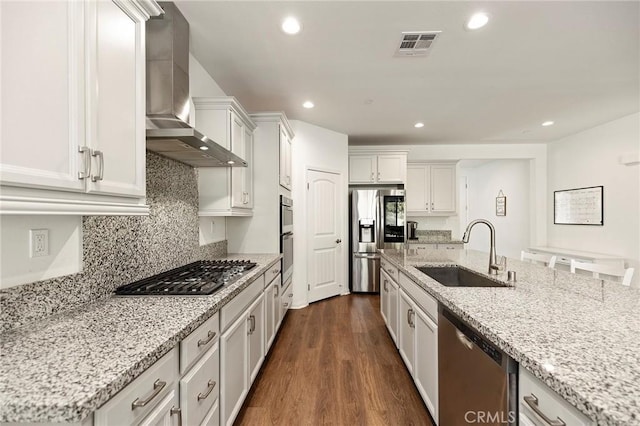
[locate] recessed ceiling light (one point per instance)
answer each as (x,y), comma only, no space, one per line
(291,25)
(418,125)
(547,123)
(204,148)
(308,104)
(231,162)
(477,20)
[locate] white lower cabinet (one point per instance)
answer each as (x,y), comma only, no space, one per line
(241,356)
(199,388)
(411,317)
(166,413)
(406,330)
(540,406)
(425,365)
(140,398)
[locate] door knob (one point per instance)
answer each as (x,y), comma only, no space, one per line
(338,241)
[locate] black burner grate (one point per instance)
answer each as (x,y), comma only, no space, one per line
(202,277)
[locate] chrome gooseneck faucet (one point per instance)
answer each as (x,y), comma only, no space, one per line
(494,266)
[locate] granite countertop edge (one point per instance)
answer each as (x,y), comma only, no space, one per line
(79,410)
(581,402)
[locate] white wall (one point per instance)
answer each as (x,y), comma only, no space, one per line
(535,154)
(65,248)
(591,158)
(314,146)
(484,182)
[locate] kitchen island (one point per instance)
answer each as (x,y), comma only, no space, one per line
(575,333)
(65,367)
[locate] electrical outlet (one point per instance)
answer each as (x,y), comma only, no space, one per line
(39,242)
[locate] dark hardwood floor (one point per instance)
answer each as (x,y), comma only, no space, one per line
(334,363)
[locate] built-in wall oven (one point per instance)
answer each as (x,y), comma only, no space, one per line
(286,237)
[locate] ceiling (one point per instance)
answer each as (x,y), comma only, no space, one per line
(575,62)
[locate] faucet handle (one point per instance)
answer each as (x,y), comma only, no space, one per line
(500,265)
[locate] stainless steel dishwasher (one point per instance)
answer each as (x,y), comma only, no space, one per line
(478,383)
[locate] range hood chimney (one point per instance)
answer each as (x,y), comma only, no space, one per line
(168,105)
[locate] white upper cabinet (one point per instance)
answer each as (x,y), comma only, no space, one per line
(285,157)
(226,191)
(86,155)
(375,168)
(431,189)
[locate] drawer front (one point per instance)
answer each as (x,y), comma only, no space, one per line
(198,342)
(424,246)
(213,416)
(286,297)
(200,387)
(389,269)
(537,400)
(272,274)
(233,309)
(420,296)
(139,397)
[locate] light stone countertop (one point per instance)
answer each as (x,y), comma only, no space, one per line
(70,364)
(429,240)
(579,335)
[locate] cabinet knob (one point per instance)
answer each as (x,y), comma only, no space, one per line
(338,241)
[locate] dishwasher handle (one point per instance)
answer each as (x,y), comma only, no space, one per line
(464,339)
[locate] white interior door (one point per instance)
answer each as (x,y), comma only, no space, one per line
(325,213)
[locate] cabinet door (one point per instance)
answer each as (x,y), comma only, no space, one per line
(166,413)
(256,337)
(362,168)
(443,188)
(288,162)
(247,172)
(283,158)
(237,173)
(384,296)
(234,369)
(116,99)
(42,85)
(416,188)
(425,369)
(392,168)
(405,330)
(271,300)
(393,311)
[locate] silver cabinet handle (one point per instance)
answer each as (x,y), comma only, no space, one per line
(372,178)
(291,295)
(412,323)
(158,385)
(391,271)
(178,411)
(86,154)
(275,271)
(210,336)
(285,304)
(252,322)
(409,316)
(378,175)
(210,385)
(277,293)
(532,402)
(100,155)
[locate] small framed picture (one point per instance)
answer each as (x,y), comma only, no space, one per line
(501,206)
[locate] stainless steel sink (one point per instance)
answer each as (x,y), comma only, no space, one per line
(453,276)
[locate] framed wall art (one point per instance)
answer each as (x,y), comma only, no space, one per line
(501,204)
(579,206)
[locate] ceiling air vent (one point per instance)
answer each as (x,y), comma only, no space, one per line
(416,43)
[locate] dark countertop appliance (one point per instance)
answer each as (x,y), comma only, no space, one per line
(412,229)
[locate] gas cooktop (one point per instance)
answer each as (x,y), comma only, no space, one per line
(197,278)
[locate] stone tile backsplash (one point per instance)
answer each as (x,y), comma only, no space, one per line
(121,249)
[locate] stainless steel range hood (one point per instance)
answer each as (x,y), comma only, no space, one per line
(168,107)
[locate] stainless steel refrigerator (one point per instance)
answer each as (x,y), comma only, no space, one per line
(377,222)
